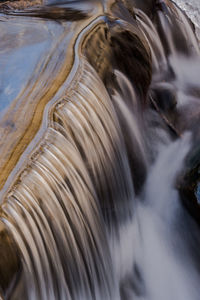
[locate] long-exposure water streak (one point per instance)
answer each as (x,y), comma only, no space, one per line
(100,156)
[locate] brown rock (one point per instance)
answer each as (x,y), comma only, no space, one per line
(9,261)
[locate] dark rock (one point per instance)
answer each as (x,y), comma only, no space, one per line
(165,96)
(9,261)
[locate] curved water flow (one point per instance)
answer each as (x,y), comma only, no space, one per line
(99,152)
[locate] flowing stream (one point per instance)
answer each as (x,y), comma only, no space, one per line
(102,202)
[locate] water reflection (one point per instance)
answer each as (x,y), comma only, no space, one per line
(21,47)
(35,59)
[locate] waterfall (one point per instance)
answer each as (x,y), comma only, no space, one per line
(81,167)
(96,210)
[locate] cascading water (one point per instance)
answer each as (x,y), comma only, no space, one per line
(95,211)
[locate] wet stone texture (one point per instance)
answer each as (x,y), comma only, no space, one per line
(21,4)
(9,264)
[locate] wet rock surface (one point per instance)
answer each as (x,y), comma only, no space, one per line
(9,262)
(20,4)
